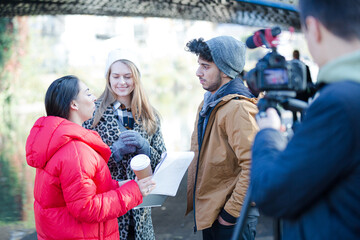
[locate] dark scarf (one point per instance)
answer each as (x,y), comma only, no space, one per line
(235,86)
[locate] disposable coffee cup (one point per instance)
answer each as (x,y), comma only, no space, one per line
(140,164)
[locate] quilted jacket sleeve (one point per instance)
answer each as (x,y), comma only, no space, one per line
(90,193)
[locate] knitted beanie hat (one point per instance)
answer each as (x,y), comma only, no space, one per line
(228,54)
(120,54)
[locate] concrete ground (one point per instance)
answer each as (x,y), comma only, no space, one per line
(169,223)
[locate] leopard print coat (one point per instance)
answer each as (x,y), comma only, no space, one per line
(108,129)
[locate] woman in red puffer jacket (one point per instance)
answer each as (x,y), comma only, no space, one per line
(75,197)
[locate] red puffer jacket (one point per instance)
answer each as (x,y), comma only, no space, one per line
(75,197)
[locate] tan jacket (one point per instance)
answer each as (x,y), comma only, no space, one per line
(224,161)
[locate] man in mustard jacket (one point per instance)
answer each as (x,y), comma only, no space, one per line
(225,127)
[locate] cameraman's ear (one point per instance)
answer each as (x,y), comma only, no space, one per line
(313,27)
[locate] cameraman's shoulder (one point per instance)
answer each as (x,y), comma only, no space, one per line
(336,101)
(344,87)
(345,91)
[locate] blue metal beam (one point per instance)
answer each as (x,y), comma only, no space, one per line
(274,4)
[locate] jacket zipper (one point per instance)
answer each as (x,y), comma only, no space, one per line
(194,192)
(200,141)
(200,136)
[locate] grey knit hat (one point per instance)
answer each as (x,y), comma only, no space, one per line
(228,54)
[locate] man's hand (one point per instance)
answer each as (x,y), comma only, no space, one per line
(223,222)
(270,119)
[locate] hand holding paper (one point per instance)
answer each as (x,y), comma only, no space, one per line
(167,175)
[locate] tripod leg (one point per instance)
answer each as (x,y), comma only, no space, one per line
(276,227)
(240,223)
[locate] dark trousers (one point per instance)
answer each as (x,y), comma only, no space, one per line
(221,232)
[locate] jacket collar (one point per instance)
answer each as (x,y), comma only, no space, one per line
(235,86)
(346,67)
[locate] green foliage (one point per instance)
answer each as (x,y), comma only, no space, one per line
(6,40)
(172,86)
(10,188)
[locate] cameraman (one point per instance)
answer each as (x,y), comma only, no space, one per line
(313,182)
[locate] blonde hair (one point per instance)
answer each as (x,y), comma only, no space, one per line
(140,105)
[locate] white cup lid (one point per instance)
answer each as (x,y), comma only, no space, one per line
(139,162)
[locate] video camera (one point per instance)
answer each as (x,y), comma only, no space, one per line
(273,72)
(279,79)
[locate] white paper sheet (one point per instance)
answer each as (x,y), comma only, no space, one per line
(170,171)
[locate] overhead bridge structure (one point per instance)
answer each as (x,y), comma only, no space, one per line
(260,13)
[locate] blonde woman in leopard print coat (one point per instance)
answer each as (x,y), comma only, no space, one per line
(124,107)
